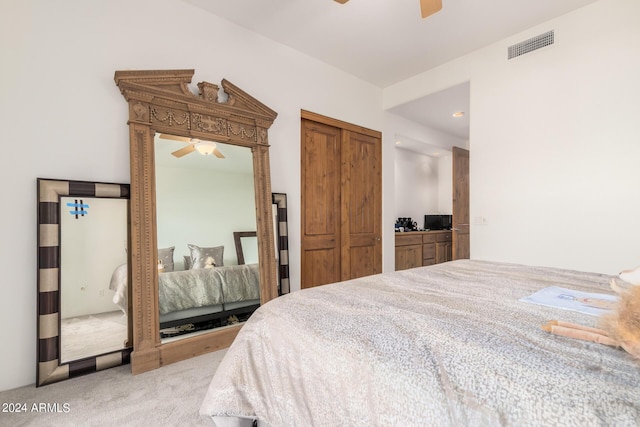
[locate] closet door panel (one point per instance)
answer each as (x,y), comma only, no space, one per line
(361,183)
(320,171)
(320,267)
(362,261)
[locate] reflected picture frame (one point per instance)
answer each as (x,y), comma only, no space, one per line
(49,368)
(237,238)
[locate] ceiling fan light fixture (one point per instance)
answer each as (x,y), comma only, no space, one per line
(205,148)
(429,7)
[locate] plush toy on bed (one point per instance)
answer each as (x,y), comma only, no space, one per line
(209,262)
(620,328)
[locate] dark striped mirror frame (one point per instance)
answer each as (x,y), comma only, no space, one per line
(49,369)
(282,241)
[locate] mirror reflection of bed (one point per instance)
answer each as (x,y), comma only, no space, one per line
(201,200)
(93,239)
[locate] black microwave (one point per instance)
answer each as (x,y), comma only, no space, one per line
(437,222)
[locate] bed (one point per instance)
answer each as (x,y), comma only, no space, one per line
(449,344)
(198,295)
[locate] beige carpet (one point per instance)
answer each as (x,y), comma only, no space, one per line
(93,334)
(169,396)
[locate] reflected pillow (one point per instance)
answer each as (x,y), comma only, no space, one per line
(166,256)
(187,262)
(200,255)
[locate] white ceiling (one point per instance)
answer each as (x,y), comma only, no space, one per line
(386,41)
(436,111)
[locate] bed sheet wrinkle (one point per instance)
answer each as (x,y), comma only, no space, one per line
(239,282)
(458,399)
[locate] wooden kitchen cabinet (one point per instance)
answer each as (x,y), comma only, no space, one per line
(408,251)
(422,248)
(443,247)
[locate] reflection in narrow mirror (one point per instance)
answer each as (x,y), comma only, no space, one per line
(204,193)
(250,249)
(246,243)
(93,241)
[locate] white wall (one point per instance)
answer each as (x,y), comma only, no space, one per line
(188,215)
(554,141)
(445,184)
(63,116)
(416,185)
(423,184)
(93,246)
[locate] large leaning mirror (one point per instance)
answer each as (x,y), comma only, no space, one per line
(166,115)
(83,325)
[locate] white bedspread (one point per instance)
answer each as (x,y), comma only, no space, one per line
(443,345)
(118,284)
(202,287)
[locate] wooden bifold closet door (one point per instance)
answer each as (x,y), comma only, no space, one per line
(341,190)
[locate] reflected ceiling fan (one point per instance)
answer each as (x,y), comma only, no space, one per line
(427,7)
(202,146)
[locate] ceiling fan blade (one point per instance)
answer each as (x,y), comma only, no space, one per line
(429,7)
(184,150)
(342,1)
(218,154)
(175,138)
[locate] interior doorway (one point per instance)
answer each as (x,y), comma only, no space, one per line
(443,118)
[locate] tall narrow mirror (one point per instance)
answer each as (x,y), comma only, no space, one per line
(215,119)
(93,243)
(83,322)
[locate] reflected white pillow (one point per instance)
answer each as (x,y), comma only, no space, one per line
(199,256)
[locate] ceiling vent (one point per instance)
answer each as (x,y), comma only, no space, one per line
(534,43)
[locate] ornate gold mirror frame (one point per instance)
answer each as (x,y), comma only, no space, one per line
(161,101)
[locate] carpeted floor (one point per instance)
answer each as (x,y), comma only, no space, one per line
(169,396)
(93,334)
